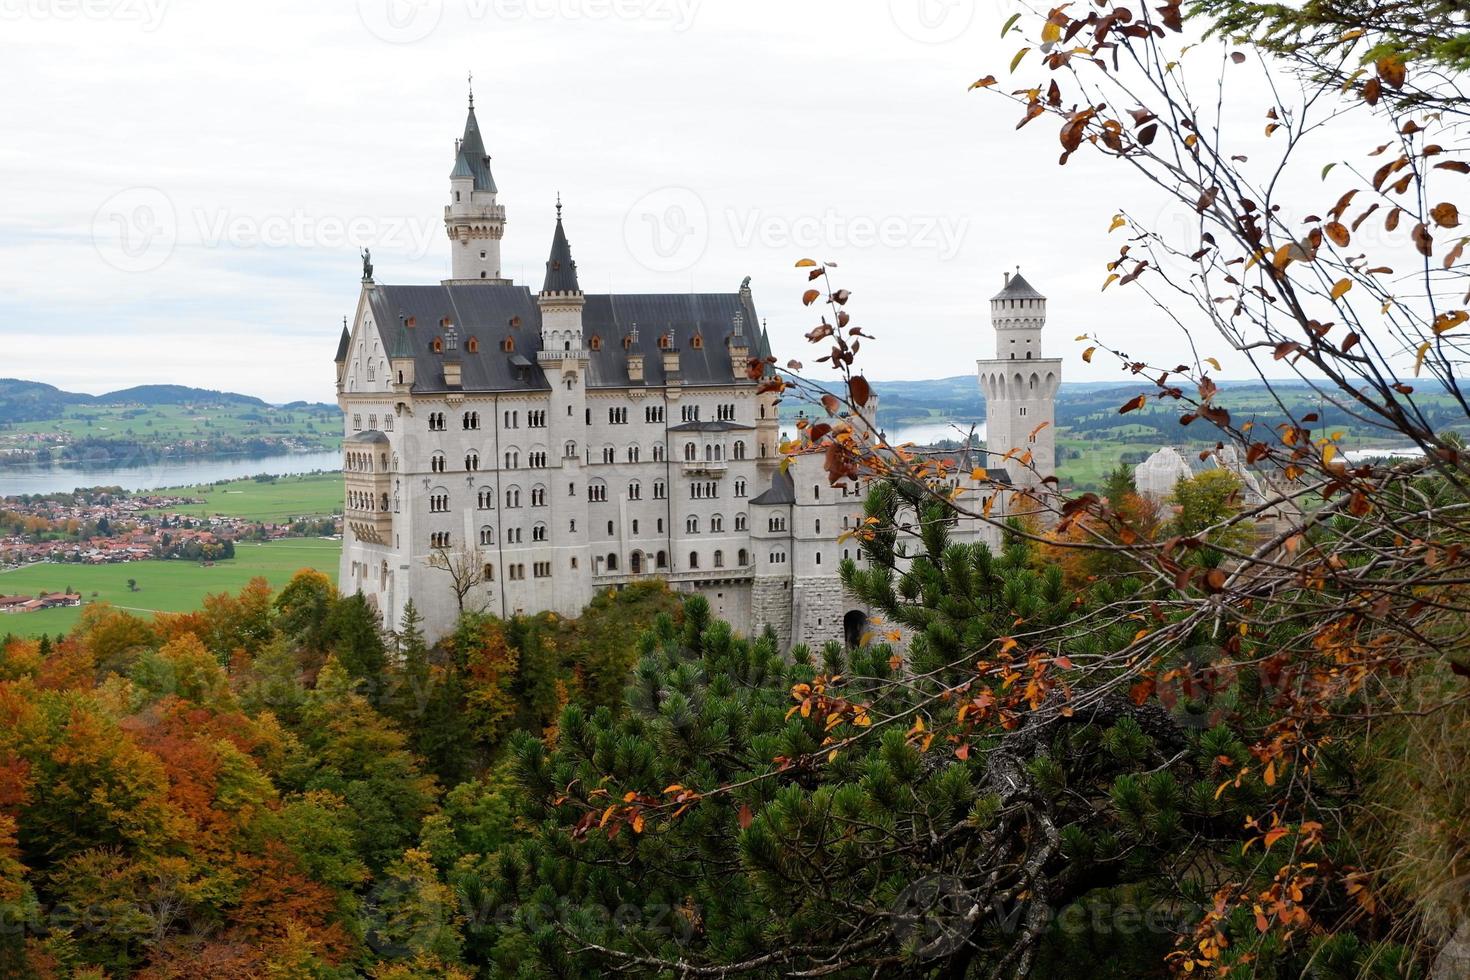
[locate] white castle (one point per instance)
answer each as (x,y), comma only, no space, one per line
(515,451)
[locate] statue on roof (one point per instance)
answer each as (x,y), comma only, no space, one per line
(367,265)
(745,285)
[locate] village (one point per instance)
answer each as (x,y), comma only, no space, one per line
(108,525)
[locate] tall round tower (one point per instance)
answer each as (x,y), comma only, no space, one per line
(472,219)
(1020,386)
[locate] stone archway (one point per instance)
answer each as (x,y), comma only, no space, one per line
(853,626)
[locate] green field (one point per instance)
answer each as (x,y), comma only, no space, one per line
(279,500)
(170,422)
(174,586)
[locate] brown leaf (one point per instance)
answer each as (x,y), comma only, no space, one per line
(746,816)
(810,296)
(859,390)
(1338,232)
(1391,70)
(1446,215)
(1135,403)
(1422,239)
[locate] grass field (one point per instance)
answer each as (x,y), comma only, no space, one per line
(173,586)
(186,422)
(285,497)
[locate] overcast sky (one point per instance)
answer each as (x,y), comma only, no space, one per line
(186,183)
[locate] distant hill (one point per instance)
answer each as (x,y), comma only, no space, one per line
(175,395)
(34,401)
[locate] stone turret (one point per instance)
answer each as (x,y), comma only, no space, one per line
(473,220)
(1020,386)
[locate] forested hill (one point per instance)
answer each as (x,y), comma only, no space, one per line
(34,401)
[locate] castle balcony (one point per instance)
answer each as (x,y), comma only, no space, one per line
(373,526)
(566,360)
(704,467)
(698,576)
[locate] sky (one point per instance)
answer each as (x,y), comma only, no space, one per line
(187,183)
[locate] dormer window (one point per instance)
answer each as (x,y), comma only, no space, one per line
(411,321)
(472,345)
(665,342)
(627,341)
(697,341)
(438,346)
(595,343)
(508,344)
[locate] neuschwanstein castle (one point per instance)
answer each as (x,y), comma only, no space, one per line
(531,448)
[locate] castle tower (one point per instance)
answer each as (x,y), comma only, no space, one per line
(565,360)
(1020,386)
(472,219)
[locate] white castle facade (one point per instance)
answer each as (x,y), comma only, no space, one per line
(533,448)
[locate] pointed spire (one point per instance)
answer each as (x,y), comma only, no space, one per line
(470,159)
(344,343)
(561,271)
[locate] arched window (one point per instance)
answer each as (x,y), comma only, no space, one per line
(744,557)
(612,562)
(487,535)
(719,558)
(693,559)
(690,452)
(661,560)
(569,451)
(740,524)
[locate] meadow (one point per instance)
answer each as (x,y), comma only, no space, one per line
(168,422)
(276,500)
(172,586)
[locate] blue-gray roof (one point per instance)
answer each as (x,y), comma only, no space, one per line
(343,344)
(490,313)
(561,271)
(472,160)
(782,491)
(1017,287)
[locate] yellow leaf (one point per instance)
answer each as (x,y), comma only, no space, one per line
(806,263)
(1051,33)
(1213,363)
(1112,278)
(1341,287)
(1087,354)
(1118,222)
(985,82)
(1419,360)
(1017,59)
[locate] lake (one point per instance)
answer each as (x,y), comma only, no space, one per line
(184,471)
(171,472)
